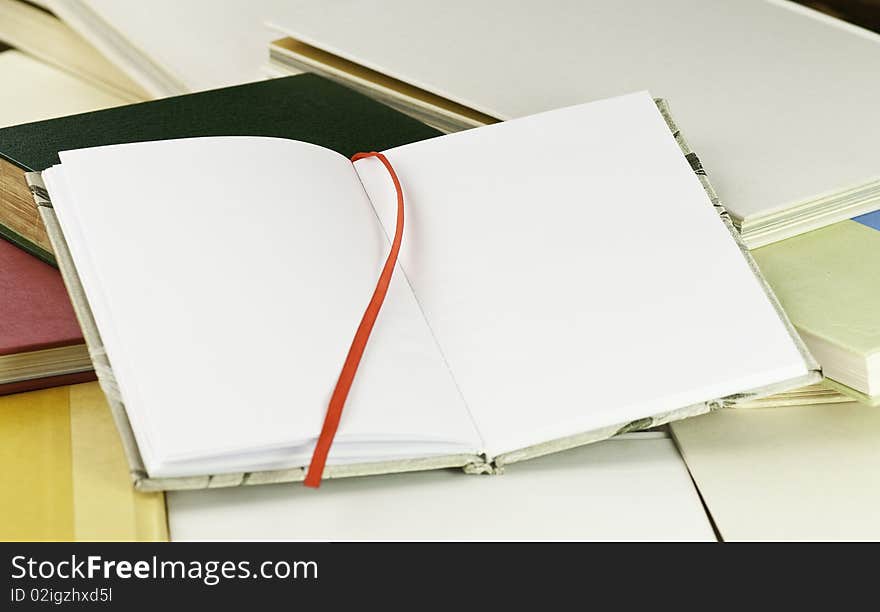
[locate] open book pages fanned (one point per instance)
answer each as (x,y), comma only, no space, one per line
(538,303)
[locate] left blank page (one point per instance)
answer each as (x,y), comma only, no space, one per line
(224,273)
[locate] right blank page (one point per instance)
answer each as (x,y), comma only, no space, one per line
(575,273)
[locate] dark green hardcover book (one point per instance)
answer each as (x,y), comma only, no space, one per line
(303,107)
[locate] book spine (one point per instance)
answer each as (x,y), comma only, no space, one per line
(697,166)
(597,435)
(87,323)
(485,465)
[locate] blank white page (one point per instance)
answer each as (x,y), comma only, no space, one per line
(575,273)
(227,277)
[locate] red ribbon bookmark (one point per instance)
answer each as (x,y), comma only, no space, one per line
(349,368)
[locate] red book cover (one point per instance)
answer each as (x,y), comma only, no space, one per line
(33,384)
(35,311)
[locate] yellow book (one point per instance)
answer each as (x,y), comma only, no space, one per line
(64,474)
(37,475)
(106,506)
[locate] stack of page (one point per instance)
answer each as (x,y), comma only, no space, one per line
(41,344)
(827,282)
(486,353)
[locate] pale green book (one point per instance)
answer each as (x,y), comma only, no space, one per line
(828,282)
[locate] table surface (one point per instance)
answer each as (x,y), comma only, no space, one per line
(632,488)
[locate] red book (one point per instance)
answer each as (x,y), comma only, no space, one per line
(41,344)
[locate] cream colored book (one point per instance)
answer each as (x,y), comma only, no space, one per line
(43,36)
(532,269)
(42,91)
(798,473)
(779,100)
(171,47)
(290,56)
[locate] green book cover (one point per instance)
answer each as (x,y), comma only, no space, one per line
(828,281)
(303,107)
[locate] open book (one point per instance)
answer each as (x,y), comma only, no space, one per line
(539,302)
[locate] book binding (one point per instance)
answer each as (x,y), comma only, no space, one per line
(471,464)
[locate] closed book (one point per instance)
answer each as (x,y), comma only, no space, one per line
(827,280)
(41,344)
(779,99)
